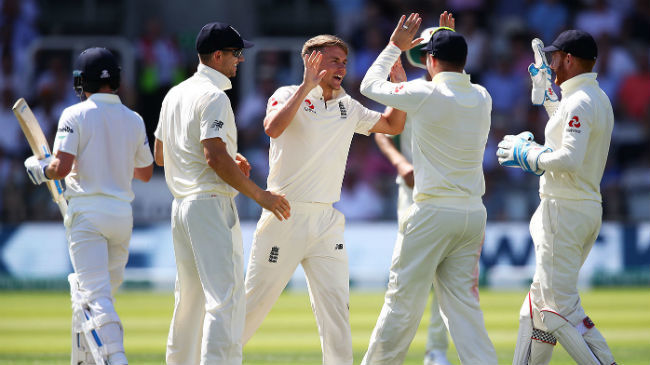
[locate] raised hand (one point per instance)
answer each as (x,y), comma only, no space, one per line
(397,73)
(447,20)
(406,29)
(313,75)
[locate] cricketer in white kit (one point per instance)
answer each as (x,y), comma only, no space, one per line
(100,146)
(398,151)
(440,239)
(568,218)
(196,142)
(311,127)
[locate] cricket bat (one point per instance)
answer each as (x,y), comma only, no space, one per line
(39,146)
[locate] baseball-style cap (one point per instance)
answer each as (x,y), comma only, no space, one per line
(413,54)
(216,36)
(447,45)
(97,64)
(577,42)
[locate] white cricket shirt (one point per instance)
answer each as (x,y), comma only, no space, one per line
(108,141)
(194,110)
(450,121)
(579,133)
(307,161)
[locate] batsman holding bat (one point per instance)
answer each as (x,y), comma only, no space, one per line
(440,238)
(100,146)
(567,221)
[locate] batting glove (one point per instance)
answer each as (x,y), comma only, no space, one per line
(521,151)
(540,73)
(36,169)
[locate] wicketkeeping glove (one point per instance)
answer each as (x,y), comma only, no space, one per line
(36,169)
(521,151)
(540,73)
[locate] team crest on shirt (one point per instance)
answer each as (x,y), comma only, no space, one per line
(309,106)
(574,125)
(344,112)
(217,124)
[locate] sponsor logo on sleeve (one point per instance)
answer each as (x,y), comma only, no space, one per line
(338,246)
(65,129)
(574,125)
(217,124)
(274,102)
(398,89)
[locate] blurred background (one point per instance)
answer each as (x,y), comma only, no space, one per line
(39,41)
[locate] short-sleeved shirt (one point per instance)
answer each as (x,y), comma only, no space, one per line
(108,141)
(192,111)
(450,121)
(579,132)
(307,161)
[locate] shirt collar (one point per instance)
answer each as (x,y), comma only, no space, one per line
(216,77)
(317,92)
(575,82)
(105,98)
(451,77)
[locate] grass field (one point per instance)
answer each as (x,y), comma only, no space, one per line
(34,327)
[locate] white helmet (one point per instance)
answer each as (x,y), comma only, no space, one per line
(413,54)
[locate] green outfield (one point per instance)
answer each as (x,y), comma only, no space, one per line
(34,327)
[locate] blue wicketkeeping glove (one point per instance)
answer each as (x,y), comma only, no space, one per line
(521,151)
(540,73)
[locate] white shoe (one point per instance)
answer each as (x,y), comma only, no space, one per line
(436,357)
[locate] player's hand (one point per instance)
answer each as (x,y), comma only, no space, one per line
(313,74)
(36,169)
(397,73)
(521,151)
(447,20)
(405,170)
(243,164)
(540,74)
(276,204)
(406,29)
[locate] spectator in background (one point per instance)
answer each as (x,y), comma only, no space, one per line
(600,18)
(476,38)
(160,67)
(17,29)
(547,18)
(637,22)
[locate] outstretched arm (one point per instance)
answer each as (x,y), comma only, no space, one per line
(276,122)
(396,158)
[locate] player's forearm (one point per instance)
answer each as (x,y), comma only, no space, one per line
(143,173)
(374,82)
(60,166)
(277,122)
(395,121)
(561,160)
(226,168)
(388,149)
(158,152)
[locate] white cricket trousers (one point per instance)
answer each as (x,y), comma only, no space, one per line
(437,331)
(312,237)
(439,242)
(563,232)
(98,230)
(209,303)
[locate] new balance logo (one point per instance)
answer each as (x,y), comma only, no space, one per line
(338,246)
(105,75)
(65,129)
(344,112)
(275,252)
(217,124)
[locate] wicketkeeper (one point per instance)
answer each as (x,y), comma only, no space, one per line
(567,222)
(100,146)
